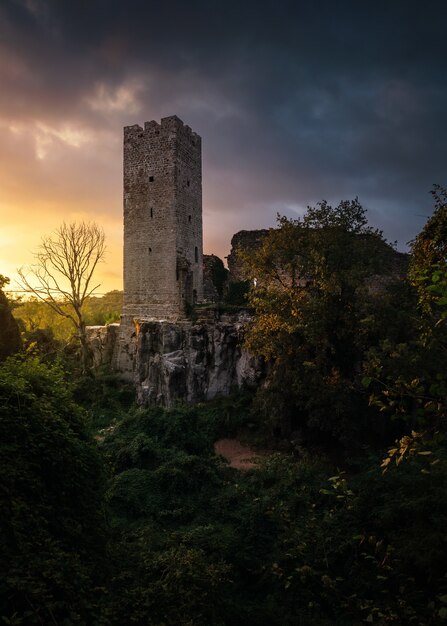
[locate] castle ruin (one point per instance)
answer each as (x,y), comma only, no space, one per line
(162,207)
(163,250)
(166,353)
(169,355)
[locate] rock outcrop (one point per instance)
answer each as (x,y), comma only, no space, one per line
(191,362)
(184,361)
(102,342)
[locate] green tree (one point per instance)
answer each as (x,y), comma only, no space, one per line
(317,281)
(103,310)
(219,275)
(63,273)
(407,380)
(50,499)
(429,247)
(429,250)
(35,315)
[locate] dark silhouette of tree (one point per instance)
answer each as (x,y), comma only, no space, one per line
(10,340)
(52,529)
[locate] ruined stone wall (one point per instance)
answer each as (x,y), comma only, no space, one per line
(215,277)
(102,341)
(162,219)
(246,240)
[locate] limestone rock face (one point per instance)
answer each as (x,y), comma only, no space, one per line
(102,342)
(182,361)
(191,362)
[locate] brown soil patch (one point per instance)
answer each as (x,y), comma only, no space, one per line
(238,456)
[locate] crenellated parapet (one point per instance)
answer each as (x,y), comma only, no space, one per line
(167,126)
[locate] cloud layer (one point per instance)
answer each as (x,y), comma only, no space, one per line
(295,102)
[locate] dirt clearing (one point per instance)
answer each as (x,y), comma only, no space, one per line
(238,456)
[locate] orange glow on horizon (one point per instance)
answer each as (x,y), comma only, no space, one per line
(51,173)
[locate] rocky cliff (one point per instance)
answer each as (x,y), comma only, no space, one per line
(102,342)
(191,361)
(183,361)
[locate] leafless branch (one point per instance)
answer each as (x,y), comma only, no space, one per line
(64,268)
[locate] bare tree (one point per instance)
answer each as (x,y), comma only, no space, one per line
(63,272)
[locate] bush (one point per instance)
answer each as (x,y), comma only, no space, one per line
(50,513)
(237,293)
(10,341)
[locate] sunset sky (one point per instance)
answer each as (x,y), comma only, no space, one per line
(295,102)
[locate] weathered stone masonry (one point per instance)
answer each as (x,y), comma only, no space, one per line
(162,220)
(162,206)
(168,357)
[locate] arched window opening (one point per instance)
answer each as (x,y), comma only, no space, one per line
(196,254)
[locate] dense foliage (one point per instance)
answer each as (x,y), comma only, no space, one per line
(36,315)
(287,543)
(51,335)
(50,511)
(113,515)
(191,541)
(409,380)
(326,291)
(10,340)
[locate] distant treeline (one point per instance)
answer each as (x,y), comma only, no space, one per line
(33,314)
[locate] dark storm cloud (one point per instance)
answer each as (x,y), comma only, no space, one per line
(296,101)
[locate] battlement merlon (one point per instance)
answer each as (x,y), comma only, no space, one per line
(132,130)
(168,125)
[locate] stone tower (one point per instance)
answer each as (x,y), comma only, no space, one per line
(163,252)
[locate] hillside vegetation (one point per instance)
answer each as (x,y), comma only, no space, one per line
(115,514)
(35,316)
